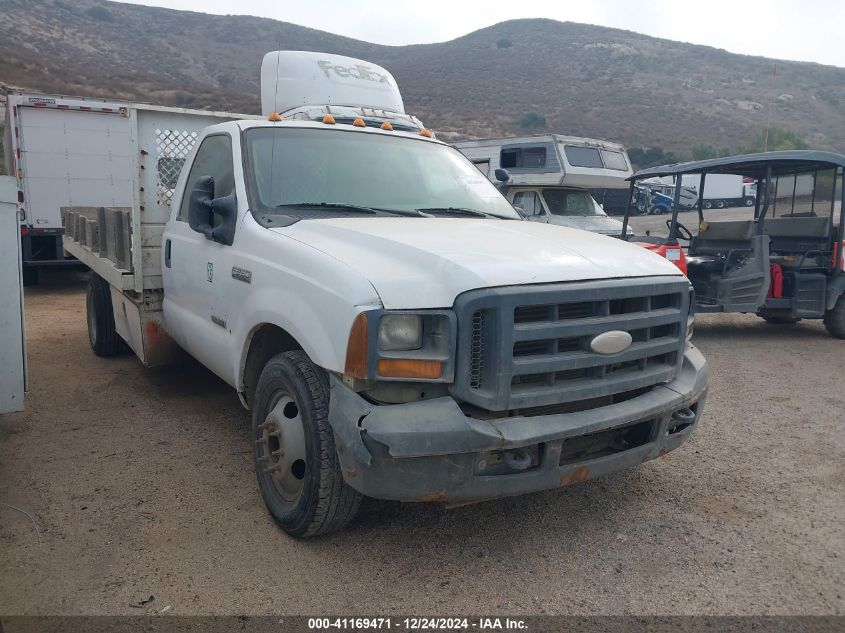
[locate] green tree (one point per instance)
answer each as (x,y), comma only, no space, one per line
(703,151)
(642,157)
(777,139)
(99,13)
(532,121)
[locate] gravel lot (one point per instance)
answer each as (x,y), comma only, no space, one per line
(141,485)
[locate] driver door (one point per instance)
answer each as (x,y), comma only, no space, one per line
(195,306)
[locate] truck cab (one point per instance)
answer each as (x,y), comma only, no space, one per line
(395,327)
(563,206)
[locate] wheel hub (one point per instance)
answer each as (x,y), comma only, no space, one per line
(282,447)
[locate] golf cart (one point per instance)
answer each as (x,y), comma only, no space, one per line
(781,258)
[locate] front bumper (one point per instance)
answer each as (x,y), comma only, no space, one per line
(432,451)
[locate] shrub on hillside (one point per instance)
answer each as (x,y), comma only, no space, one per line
(99,13)
(532,121)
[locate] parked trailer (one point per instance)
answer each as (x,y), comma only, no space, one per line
(720,190)
(81,152)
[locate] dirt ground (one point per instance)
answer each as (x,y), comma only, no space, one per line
(141,485)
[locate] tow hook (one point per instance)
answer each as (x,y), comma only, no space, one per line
(518,459)
(682,419)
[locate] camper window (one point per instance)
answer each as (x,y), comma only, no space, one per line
(583,156)
(526,157)
(614,160)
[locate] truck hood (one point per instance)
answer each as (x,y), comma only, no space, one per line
(594,223)
(428,262)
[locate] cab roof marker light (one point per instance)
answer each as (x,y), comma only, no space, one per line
(274,116)
(329,119)
(426,132)
(359,123)
(387,126)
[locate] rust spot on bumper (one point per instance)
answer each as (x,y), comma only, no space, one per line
(574,476)
(437,495)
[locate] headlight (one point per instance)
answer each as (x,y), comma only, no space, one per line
(414,345)
(400,332)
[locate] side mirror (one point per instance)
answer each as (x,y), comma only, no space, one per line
(213,217)
(199,206)
(502,175)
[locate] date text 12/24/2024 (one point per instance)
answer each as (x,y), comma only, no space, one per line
(416,624)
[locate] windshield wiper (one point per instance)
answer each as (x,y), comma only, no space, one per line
(460,210)
(351,207)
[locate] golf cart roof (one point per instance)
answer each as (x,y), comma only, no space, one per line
(785,162)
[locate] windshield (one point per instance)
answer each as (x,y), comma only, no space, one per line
(571,202)
(293,166)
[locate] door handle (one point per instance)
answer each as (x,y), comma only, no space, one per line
(167,253)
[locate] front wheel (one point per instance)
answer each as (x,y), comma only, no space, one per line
(295,457)
(834,319)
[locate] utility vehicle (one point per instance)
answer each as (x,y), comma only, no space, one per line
(782,257)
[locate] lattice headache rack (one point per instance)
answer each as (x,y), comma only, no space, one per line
(172,149)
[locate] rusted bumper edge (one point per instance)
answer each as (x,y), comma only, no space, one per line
(432,451)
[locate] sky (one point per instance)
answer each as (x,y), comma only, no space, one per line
(809,30)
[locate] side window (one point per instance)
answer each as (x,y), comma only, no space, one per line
(214,158)
(528,157)
(529,202)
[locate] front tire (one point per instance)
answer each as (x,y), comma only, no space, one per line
(104,339)
(294,452)
(834,319)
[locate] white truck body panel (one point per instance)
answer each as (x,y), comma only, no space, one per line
(68,157)
(78,152)
(12,344)
(557,167)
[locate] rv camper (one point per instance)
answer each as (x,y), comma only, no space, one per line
(553,178)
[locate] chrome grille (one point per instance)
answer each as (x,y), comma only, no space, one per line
(530,346)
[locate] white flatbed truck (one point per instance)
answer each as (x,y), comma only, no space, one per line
(395,327)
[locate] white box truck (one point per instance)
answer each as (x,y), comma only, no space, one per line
(395,327)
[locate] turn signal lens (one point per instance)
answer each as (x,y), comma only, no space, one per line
(387,125)
(359,123)
(356,348)
(407,368)
(274,116)
(329,119)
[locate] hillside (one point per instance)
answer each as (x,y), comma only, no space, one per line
(585,80)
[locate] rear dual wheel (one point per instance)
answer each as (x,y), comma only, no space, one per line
(104,339)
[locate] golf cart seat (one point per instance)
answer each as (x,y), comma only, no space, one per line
(715,242)
(799,242)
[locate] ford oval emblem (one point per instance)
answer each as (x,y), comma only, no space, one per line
(611,342)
